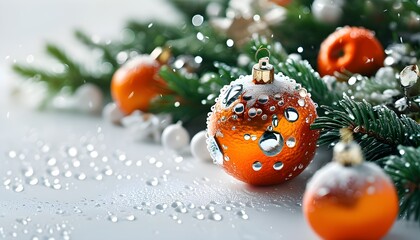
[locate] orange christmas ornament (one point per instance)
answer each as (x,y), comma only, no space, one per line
(258,129)
(352,49)
(349,198)
(136,83)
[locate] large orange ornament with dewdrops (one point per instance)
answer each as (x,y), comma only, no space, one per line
(346,201)
(259,128)
(136,83)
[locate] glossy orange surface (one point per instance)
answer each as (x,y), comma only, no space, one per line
(352,49)
(238,137)
(355,211)
(134,85)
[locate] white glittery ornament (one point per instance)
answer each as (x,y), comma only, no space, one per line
(198,147)
(112,113)
(88,98)
(409,75)
(175,137)
(327,11)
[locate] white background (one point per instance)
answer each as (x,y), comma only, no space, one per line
(274,212)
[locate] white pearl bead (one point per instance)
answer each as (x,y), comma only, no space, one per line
(199,147)
(175,137)
(89,98)
(112,113)
(327,11)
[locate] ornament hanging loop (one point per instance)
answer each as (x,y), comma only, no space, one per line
(263,71)
(259,50)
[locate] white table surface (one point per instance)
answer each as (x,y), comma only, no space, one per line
(122,203)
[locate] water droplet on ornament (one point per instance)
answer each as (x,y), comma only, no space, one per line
(239,108)
(303,92)
(247,97)
(214,149)
(271,143)
(257,166)
(252,112)
(301,102)
(291,142)
(263,99)
(275,121)
(264,117)
(280,103)
(291,114)
(130,218)
(253,137)
(278,165)
(247,136)
(232,95)
(215,217)
(272,108)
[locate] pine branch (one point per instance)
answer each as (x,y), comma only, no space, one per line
(109,55)
(304,74)
(377,129)
(404,169)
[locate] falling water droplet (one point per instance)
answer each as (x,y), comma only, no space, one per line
(275,121)
(232,95)
(214,149)
(278,165)
(271,143)
(239,108)
(291,142)
(291,114)
(257,166)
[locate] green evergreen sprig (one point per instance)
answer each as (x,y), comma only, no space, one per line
(404,169)
(378,129)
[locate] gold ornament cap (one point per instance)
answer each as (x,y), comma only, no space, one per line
(263,71)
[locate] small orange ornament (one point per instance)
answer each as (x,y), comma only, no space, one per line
(349,198)
(282,2)
(258,129)
(352,49)
(136,83)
